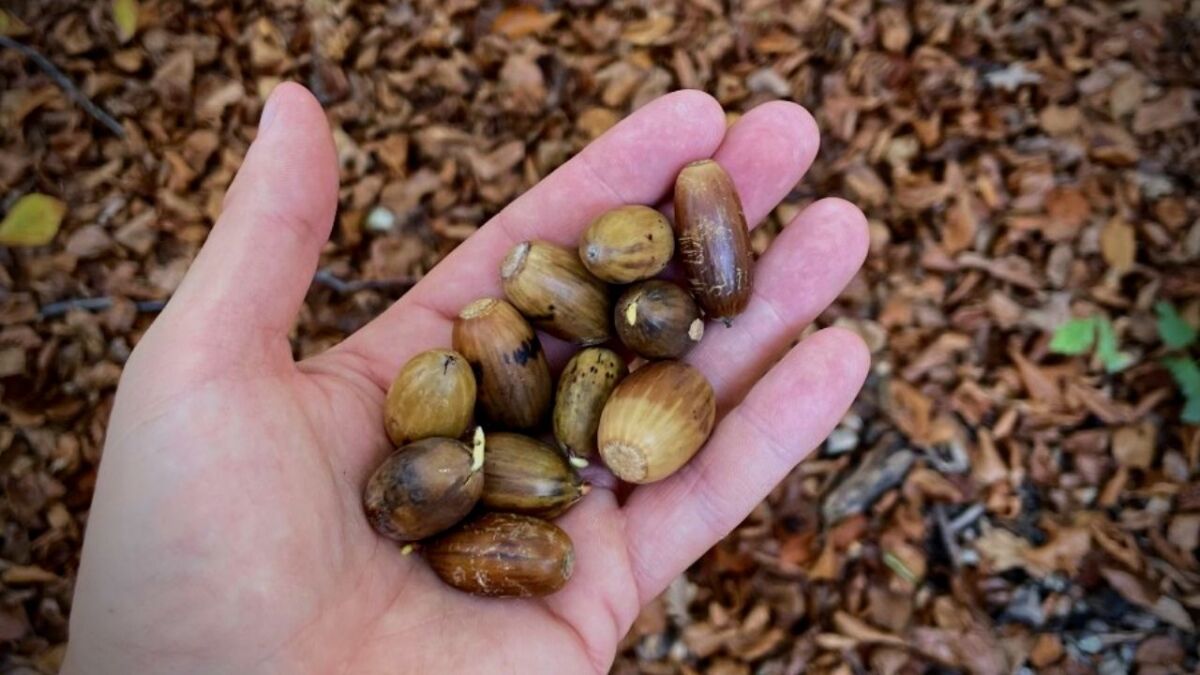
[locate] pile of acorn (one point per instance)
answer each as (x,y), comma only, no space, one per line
(644,425)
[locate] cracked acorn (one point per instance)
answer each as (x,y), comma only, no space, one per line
(627,244)
(504,555)
(524,475)
(658,320)
(713,239)
(433,395)
(425,487)
(549,284)
(583,388)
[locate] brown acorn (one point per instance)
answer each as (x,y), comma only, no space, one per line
(503,555)
(506,356)
(433,395)
(524,475)
(551,287)
(655,421)
(658,320)
(425,487)
(627,244)
(583,388)
(714,242)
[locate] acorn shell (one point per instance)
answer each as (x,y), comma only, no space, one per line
(551,287)
(514,386)
(525,475)
(583,388)
(627,244)
(424,488)
(713,240)
(433,395)
(658,320)
(655,421)
(503,555)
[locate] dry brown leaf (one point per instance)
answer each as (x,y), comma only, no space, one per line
(1118,244)
(860,631)
(1133,446)
(520,20)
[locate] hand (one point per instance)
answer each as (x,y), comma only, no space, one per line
(227,535)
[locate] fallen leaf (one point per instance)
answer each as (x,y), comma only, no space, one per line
(649,30)
(521,20)
(125,16)
(32,221)
(1133,446)
(1118,245)
(862,632)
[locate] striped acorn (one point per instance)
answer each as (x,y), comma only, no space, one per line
(714,242)
(503,555)
(583,388)
(658,320)
(524,475)
(655,421)
(627,244)
(514,386)
(433,395)
(425,487)
(552,288)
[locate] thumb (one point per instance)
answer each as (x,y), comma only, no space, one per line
(243,291)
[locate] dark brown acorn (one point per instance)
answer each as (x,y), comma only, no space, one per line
(714,242)
(552,288)
(425,487)
(503,555)
(510,369)
(658,320)
(655,421)
(525,475)
(627,244)
(583,389)
(433,395)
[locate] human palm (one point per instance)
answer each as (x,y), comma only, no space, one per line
(226,533)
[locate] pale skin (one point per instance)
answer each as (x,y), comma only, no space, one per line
(227,533)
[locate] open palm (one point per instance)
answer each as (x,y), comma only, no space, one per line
(227,534)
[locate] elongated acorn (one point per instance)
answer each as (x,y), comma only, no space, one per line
(433,395)
(655,421)
(658,320)
(627,244)
(513,379)
(503,555)
(525,475)
(583,389)
(714,242)
(558,295)
(425,487)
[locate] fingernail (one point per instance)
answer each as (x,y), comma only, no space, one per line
(270,110)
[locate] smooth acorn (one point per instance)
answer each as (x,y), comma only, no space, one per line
(552,288)
(714,242)
(513,379)
(524,475)
(425,487)
(658,320)
(433,395)
(655,421)
(503,555)
(627,244)
(583,388)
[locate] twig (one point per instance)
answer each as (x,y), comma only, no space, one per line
(342,287)
(66,84)
(56,309)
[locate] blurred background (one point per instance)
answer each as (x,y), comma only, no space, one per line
(1017,486)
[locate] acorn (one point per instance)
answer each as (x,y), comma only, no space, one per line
(658,320)
(558,295)
(506,356)
(583,388)
(503,555)
(425,487)
(655,421)
(627,244)
(714,242)
(525,475)
(433,395)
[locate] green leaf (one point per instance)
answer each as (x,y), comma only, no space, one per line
(125,15)
(1191,411)
(1174,331)
(1186,374)
(1074,337)
(32,221)
(1110,354)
